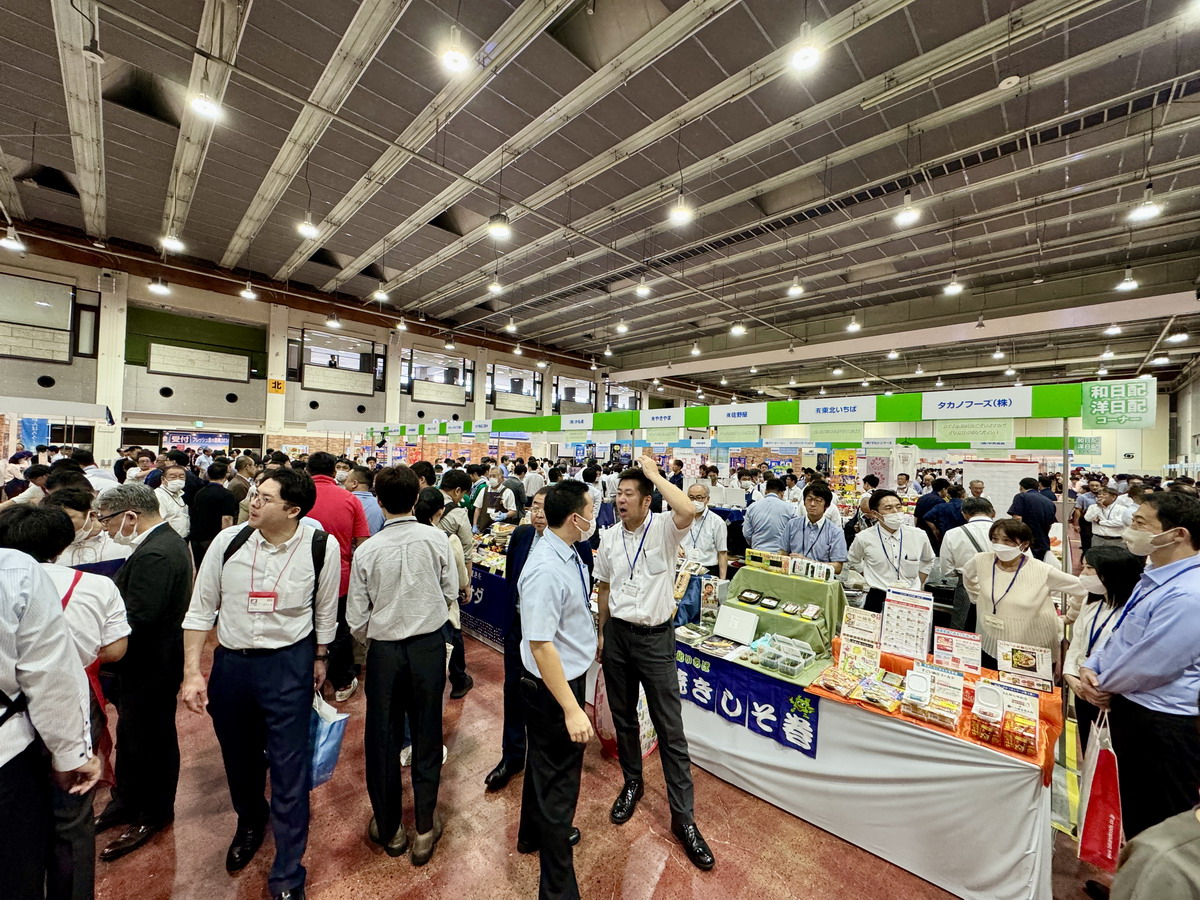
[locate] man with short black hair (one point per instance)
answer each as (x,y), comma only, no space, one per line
(99,478)
(890,553)
(959,547)
(1032,508)
(213,509)
(359,483)
(813,536)
(945,517)
(36,475)
(766,520)
(676,473)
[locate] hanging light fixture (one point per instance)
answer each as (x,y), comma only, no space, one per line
(1112,330)
(908,214)
(499,228)
(402,325)
(920,370)
(1107,353)
(754,370)
(511,327)
(853,324)
(172,244)
(724,381)
(205,106)
(543,363)
(517,351)
(159,286)
(695,348)
(1010,371)
(659,388)
(953,287)
(643,289)
(332,320)
(654,381)
(307,229)
(838,371)
(450,345)
(1017,383)
(1128,283)
(795,289)
(939,382)
(681,213)
(454,58)
(1147,209)
(608,349)
(865,382)
(822,391)
(1102,371)
(893,354)
(737,329)
(12,241)
(1177,337)
(806,55)
(621,327)
(887,393)
(494,286)
(997,353)
(1160,360)
(248,292)
(792,381)
(380,294)
(979,322)
(593,366)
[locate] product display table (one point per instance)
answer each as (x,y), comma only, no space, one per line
(729,514)
(792,589)
(488,613)
(965,817)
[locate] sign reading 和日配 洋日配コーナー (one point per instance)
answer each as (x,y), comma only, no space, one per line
(1129,403)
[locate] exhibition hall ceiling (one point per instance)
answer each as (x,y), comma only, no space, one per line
(667,170)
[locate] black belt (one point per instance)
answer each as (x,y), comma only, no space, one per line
(255,651)
(642,629)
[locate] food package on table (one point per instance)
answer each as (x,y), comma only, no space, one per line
(1020,733)
(878,693)
(838,681)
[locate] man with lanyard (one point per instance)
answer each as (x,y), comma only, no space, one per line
(890,554)
(813,536)
(707,540)
(1148,673)
(635,571)
(278,616)
(959,548)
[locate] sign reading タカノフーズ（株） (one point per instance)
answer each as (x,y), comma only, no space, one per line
(1128,403)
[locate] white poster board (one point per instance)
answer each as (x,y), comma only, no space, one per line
(1001,478)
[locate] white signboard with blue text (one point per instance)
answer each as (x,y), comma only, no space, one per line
(738,414)
(838,409)
(978,403)
(575,421)
(660,418)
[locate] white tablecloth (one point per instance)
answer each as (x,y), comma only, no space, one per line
(969,819)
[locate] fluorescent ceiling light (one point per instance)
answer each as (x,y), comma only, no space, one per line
(160,287)
(499,228)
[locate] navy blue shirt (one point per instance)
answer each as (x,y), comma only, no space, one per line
(1039,514)
(946,516)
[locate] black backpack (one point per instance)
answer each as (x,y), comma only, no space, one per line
(319,542)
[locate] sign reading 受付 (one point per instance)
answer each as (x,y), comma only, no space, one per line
(1128,403)
(838,409)
(978,403)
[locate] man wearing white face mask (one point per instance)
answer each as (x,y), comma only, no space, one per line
(171,505)
(1148,674)
(92,543)
(891,553)
(156,584)
(707,541)
(496,503)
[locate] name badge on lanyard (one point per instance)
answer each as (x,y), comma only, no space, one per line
(261,601)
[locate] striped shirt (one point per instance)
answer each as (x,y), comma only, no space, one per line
(38,660)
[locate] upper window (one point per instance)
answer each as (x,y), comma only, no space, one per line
(36,318)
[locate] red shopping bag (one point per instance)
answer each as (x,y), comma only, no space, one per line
(1100,835)
(602,721)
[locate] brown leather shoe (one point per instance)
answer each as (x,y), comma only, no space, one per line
(423,844)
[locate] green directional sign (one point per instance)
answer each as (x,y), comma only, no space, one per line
(1128,403)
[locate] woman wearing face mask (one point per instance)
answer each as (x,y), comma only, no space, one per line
(1011,591)
(1112,573)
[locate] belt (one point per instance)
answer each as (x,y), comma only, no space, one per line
(642,629)
(255,651)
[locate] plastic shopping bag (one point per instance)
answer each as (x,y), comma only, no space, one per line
(1100,834)
(602,720)
(325,734)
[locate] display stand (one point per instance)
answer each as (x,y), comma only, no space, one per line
(792,589)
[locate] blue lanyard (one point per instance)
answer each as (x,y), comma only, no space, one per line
(995,601)
(817,537)
(1094,633)
(1138,597)
(587,594)
(886,555)
(692,532)
(633,563)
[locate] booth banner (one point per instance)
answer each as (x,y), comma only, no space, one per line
(1129,403)
(454,428)
(481,426)
(840,409)
(733,433)
(988,432)
(738,414)
(661,435)
(836,432)
(34,433)
(486,616)
(878,443)
(197,439)
(661,418)
(576,421)
(574,437)
(769,707)
(412,430)
(990,403)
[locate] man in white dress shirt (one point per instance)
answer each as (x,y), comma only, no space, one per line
(278,614)
(905,488)
(959,547)
(171,505)
(890,553)
(707,541)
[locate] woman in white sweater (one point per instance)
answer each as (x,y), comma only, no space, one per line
(1012,592)
(1110,574)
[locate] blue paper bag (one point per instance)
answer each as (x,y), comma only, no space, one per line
(325,734)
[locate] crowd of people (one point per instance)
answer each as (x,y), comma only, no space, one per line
(309,568)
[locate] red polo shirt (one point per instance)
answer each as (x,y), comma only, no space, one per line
(340,513)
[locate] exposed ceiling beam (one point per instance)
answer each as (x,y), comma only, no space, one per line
(372,23)
(222,25)
(75,24)
(677,27)
(758,74)
(9,195)
(966,47)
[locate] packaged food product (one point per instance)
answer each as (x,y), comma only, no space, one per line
(1020,733)
(875,692)
(838,681)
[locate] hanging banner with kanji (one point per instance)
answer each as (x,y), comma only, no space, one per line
(1128,403)
(768,706)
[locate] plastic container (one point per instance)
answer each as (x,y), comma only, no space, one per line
(770,659)
(790,666)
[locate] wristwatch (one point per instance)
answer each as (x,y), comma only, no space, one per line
(322,657)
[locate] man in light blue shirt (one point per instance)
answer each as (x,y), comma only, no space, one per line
(1148,674)
(766,519)
(558,644)
(813,536)
(358,482)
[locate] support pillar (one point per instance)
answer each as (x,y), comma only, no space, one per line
(110,368)
(277,329)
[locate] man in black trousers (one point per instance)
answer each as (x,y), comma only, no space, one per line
(275,583)
(523,539)
(155,582)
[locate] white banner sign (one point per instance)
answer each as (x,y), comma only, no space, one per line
(878,442)
(738,414)
(660,418)
(576,420)
(701,442)
(481,426)
(454,428)
(978,403)
(838,409)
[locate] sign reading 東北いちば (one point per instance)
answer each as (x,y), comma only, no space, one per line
(978,403)
(838,409)
(1128,403)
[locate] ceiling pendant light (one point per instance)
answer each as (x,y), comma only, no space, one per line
(402,325)
(997,353)
(654,381)
(543,363)
(806,55)
(822,391)
(307,229)
(1112,330)
(159,286)
(643,289)
(695,348)
(499,228)
(893,354)
(1102,371)
(1128,283)
(454,58)
(1160,360)
(953,288)
(621,327)
(450,345)
(792,381)
(838,371)
(699,394)
(1147,209)
(511,327)
(853,324)
(1017,383)
(791,347)
(494,286)
(659,389)
(248,292)
(724,381)
(1038,278)
(172,244)
(754,370)
(939,382)
(979,322)
(865,382)
(681,213)
(908,214)
(1010,371)
(737,329)
(593,366)
(608,349)
(205,106)
(1107,352)
(795,289)
(920,370)
(887,393)
(517,351)
(11,240)
(332,320)
(380,294)
(1177,337)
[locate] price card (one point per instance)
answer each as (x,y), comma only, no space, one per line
(959,650)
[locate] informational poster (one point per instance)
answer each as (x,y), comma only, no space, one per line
(858,658)
(974,431)
(861,625)
(907,623)
(1025,665)
(1126,403)
(959,650)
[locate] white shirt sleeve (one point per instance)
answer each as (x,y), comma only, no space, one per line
(325,611)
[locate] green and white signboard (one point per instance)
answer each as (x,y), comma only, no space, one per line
(1128,403)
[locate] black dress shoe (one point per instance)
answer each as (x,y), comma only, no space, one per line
(573,838)
(245,844)
(695,845)
(290,894)
(112,816)
(463,689)
(626,802)
(501,775)
(131,838)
